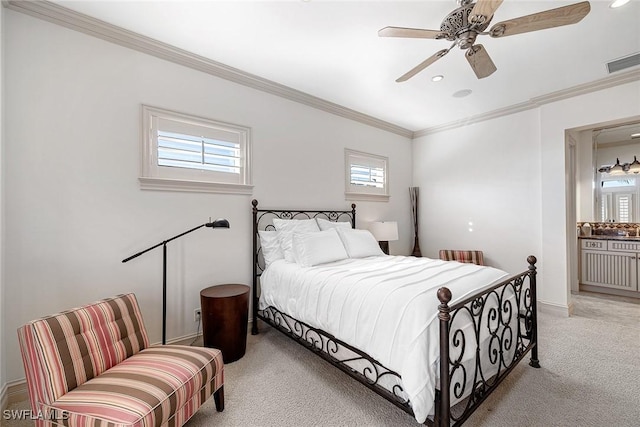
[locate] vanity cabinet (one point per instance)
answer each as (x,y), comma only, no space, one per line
(610,264)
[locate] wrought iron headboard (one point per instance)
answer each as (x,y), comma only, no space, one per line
(262,220)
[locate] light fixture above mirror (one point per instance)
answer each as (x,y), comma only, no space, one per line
(622,169)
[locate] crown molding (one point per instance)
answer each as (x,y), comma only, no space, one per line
(604,83)
(68,18)
(616,79)
(516,108)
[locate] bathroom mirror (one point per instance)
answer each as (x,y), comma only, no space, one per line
(617,173)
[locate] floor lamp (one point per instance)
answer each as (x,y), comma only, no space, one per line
(218,223)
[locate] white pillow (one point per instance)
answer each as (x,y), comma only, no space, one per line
(286,228)
(359,243)
(326,224)
(316,248)
(270,244)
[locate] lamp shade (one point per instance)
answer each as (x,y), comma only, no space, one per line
(218,223)
(635,166)
(384,231)
(617,169)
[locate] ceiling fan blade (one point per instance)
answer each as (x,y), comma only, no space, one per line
(480,61)
(539,21)
(483,10)
(424,64)
(417,33)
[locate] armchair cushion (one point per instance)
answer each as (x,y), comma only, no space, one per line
(146,389)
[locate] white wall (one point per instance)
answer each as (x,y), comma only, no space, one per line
(509,176)
(74,209)
(487,174)
(3,374)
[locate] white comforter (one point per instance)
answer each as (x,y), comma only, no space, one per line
(386,306)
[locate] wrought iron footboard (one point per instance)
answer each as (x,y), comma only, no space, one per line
(473,361)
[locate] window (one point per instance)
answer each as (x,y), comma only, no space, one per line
(186,153)
(366,176)
(623,203)
(617,198)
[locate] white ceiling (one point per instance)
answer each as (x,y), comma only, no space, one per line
(331,50)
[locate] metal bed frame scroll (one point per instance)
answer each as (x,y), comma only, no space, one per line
(503,317)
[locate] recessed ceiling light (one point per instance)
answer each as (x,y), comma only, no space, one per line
(462,93)
(618,3)
(437,78)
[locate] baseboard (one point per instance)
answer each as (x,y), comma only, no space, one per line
(610,291)
(182,340)
(190,338)
(4,401)
(555,309)
(12,392)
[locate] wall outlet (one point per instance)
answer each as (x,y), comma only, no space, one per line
(197,315)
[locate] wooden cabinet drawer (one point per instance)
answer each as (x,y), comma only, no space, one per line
(595,245)
(623,246)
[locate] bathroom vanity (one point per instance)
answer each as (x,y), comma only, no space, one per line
(610,264)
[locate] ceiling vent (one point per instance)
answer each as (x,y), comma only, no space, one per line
(622,63)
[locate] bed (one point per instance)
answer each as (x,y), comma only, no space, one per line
(388,321)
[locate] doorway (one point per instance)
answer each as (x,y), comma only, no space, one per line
(582,195)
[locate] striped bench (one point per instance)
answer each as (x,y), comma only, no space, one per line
(471,257)
(93,366)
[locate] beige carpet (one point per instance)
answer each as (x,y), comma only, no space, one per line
(590,376)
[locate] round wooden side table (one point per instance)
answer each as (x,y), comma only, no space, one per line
(225,311)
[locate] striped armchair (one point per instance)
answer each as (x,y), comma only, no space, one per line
(472,257)
(92,366)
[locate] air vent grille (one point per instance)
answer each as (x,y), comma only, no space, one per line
(622,63)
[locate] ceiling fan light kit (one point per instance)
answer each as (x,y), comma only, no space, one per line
(463,25)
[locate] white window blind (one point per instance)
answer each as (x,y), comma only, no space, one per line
(605,201)
(624,207)
(366,176)
(193,152)
(188,153)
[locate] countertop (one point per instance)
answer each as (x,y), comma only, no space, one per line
(612,237)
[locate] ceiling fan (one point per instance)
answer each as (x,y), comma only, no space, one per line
(469,20)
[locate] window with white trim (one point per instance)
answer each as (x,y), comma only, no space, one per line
(188,153)
(366,176)
(618,198)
